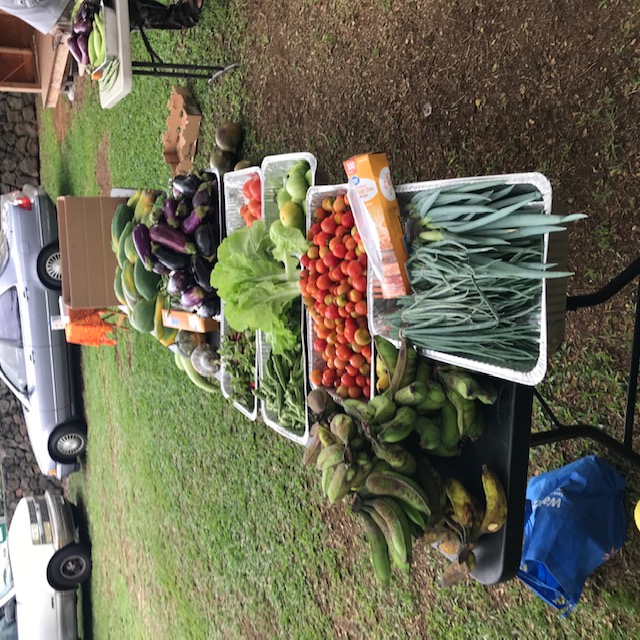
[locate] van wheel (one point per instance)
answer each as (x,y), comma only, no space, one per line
(49,267)
(67,441)
(69,567)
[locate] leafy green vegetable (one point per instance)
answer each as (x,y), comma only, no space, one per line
(257,276)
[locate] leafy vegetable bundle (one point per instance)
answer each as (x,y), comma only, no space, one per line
(257,275)
(475,268)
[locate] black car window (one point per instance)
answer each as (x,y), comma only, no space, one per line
(11,351)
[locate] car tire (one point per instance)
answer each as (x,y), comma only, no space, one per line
(69,567)
(67,441)
(49,267)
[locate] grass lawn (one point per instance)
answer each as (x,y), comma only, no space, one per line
(205,525)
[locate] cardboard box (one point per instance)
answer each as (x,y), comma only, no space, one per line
(183,128)
(178,319)
(370,177)
(88,262)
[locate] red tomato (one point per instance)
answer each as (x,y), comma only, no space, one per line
(360,284)
(363,338)
(361,307)
(322,251)
(328,225)
(322,332)
(328,376)
(340,364)
(347,380)
(333,243)
(349,332)
(339,204)
(356,348)
(336,274)
(350,243)
(313,252)
(323,282)
(352,371)
(339,251)
(361,321)
(347,220)
(330,323)
(319,345)
(343,352)
(350,306)
(366,352)
(315,229)
(331,338)
(350,255)
(361,381)
(332,312)
(316,377)
(356,360)
(320,214)
(366,392)
(355,269)
(344,265)
(320,266)
(340,231)
(246,192)
(321,307)
(321,239)
(362,259)
(331,350)
(337,217)
(354,392)
(331,260)
(343,289)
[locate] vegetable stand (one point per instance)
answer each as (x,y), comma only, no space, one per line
(126,15)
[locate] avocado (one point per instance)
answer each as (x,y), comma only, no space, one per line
(229,136)
(223,161)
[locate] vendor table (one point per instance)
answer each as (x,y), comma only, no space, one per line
(154,67)
(509,439)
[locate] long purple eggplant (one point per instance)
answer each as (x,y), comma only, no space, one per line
(142,243)
(189,225)
(83,45)
(169,211)
(171,238)
(74,48)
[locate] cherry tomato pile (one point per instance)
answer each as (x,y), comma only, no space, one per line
(334,285)
(252,191)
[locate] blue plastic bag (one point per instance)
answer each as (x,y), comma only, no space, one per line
(574,521)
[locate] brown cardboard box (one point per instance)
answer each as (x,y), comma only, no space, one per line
(183,128)
(88,262)
(178,319)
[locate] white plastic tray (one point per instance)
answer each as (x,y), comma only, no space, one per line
(122,86)
(233,182)
(274,169)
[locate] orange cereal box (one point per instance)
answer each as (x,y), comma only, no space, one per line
(370,177)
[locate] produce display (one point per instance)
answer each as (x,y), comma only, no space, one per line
(377,454)
(88,43)
(475,267)
(334,285)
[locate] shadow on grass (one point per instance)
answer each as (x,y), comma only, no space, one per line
(86,608)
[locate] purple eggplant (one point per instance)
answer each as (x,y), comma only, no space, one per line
(142,243)
(83,45)
(161,269)
(83,26)
(210,306)
(203,196)
(206,239)
(169,209)
(201,270)
(189,225)
(184,207)
(170,259)
(192,298)
(187,185)
(179,281)
(74,48)
(171,238)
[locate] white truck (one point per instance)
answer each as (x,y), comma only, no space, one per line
(41,565)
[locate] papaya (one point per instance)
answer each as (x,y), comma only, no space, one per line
(130,249)
(141,317)
(117,286)
(146,282)
(121,216)
(122,241)
(158,328)
(128,283)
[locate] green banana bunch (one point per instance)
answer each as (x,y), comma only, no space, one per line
(463,383)
(399,427)
(400,487)
(378,548)
(429,431)
(392,521)
(396,455)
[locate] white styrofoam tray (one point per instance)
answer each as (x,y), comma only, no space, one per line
(233,181)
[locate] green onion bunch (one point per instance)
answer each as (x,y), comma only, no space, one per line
(476,268)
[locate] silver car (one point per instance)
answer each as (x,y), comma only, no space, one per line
(34,358)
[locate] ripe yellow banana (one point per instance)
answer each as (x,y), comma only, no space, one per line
(462,502)
(496,502)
